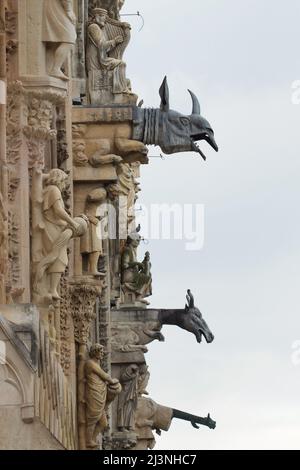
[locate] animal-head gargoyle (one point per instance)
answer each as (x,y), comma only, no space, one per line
(173,132)
(180,133)
(189,319)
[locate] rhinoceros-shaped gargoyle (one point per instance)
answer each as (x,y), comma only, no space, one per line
(173,132)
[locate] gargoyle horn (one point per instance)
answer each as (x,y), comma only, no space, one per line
(196,104)
(190,299)
(164,94)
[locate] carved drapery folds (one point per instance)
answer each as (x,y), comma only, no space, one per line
(91,244)
(127,403)
(100,391)
(59,33)
(53,228)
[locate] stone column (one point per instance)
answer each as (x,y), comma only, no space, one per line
(3,167)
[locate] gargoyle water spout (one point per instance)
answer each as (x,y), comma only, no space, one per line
(189,319)
(172,131)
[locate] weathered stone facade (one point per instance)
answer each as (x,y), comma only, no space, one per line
(72,289)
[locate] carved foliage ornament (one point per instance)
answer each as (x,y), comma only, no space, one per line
(83,299)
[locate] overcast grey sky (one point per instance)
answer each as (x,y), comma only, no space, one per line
(240,58)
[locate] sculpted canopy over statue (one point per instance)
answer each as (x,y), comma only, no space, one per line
(57,228)
(59,28)
(100,391)
(106,69)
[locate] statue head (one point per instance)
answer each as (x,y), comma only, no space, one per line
(97,351)
(113,191)
(100,16)
(97,195)
(57,178)
(134,239)
(120,4)
(179,133)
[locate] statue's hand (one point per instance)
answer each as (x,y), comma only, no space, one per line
(114,382)
(76,228)
(119,40)
(117,159)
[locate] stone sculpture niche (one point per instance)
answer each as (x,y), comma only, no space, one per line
(136,276)
(107,40)
(59,34)
(52,229)
(100,391)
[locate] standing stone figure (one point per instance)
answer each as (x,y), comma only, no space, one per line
(136,276)
(128,398)
(100,391)
(106,74)
(57,229)
(59,28)
(91,242)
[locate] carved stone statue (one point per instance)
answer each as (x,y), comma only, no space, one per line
(136,276)
(91,242)
(127,403)
(100,391)
(126,189)
(57,228)
(144,376)
(59,29)
(106,69)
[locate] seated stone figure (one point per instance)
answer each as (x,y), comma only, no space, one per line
(106,70)
(136,276)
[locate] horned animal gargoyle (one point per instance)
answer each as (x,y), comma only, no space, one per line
(172,131)
(189,319)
